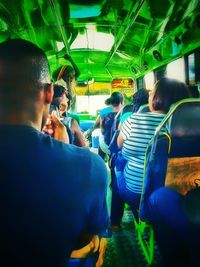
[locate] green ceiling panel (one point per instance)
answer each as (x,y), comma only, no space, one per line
(136,28)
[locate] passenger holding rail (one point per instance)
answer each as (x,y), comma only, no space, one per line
(52,193)
(136,133)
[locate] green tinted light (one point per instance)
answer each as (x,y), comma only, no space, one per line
(92,39)
(81,11)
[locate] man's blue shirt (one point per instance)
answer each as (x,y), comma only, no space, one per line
(50,193)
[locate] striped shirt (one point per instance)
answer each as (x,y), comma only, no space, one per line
(137,131)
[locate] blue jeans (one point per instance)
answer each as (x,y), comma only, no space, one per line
(125,196)
(117,204)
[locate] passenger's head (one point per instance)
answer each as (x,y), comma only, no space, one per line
(140,98)
(61,98)
(59,93)
(65,72)
(25,84)
(116,99)
(127,108)
(166,92)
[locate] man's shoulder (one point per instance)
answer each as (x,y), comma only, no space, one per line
(72,151)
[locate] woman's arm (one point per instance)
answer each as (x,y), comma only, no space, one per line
(79,137)
(120,140)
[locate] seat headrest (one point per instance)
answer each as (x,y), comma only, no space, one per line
(185,120)
(144,108)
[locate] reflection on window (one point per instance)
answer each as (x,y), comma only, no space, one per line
(149,80)
(176,70)
(191,68)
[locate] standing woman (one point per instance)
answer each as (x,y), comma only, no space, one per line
(66,76)
(137,131)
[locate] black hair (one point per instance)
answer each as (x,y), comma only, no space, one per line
(24,72)
(60,91)
(140,98)
(127,108)
(107,102)
(24,64)
(116,99)
(167,92)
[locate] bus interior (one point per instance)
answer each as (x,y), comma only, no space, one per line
(117,45)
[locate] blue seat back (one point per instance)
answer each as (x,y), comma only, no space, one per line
(173,158)
(144,108)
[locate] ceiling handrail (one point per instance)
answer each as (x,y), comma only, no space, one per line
(130,16)
(62,33)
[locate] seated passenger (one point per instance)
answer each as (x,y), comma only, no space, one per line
(110,120)
(96,125)
(61,100)
(117,206)
(51,192)
(136,133)
(102,113)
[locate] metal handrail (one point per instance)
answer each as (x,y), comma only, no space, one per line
(129,25)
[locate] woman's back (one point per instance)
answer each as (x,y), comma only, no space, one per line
(137,131)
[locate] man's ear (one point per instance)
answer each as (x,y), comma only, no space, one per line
(48,92)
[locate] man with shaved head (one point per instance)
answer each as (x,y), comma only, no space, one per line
(51,192)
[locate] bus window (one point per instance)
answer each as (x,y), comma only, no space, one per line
(149,80)
(140,83)
(191,68)
(176,70)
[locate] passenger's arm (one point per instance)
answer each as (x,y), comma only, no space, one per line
(77,71)
(124,133)
(101,124)
(97,123)
(79,137)
(120,140)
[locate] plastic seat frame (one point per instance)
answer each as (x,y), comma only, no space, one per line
(145,232)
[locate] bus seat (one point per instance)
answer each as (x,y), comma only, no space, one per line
(90,255)
(144,108)
(172,160)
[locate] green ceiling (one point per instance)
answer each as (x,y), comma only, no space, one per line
(106,38)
